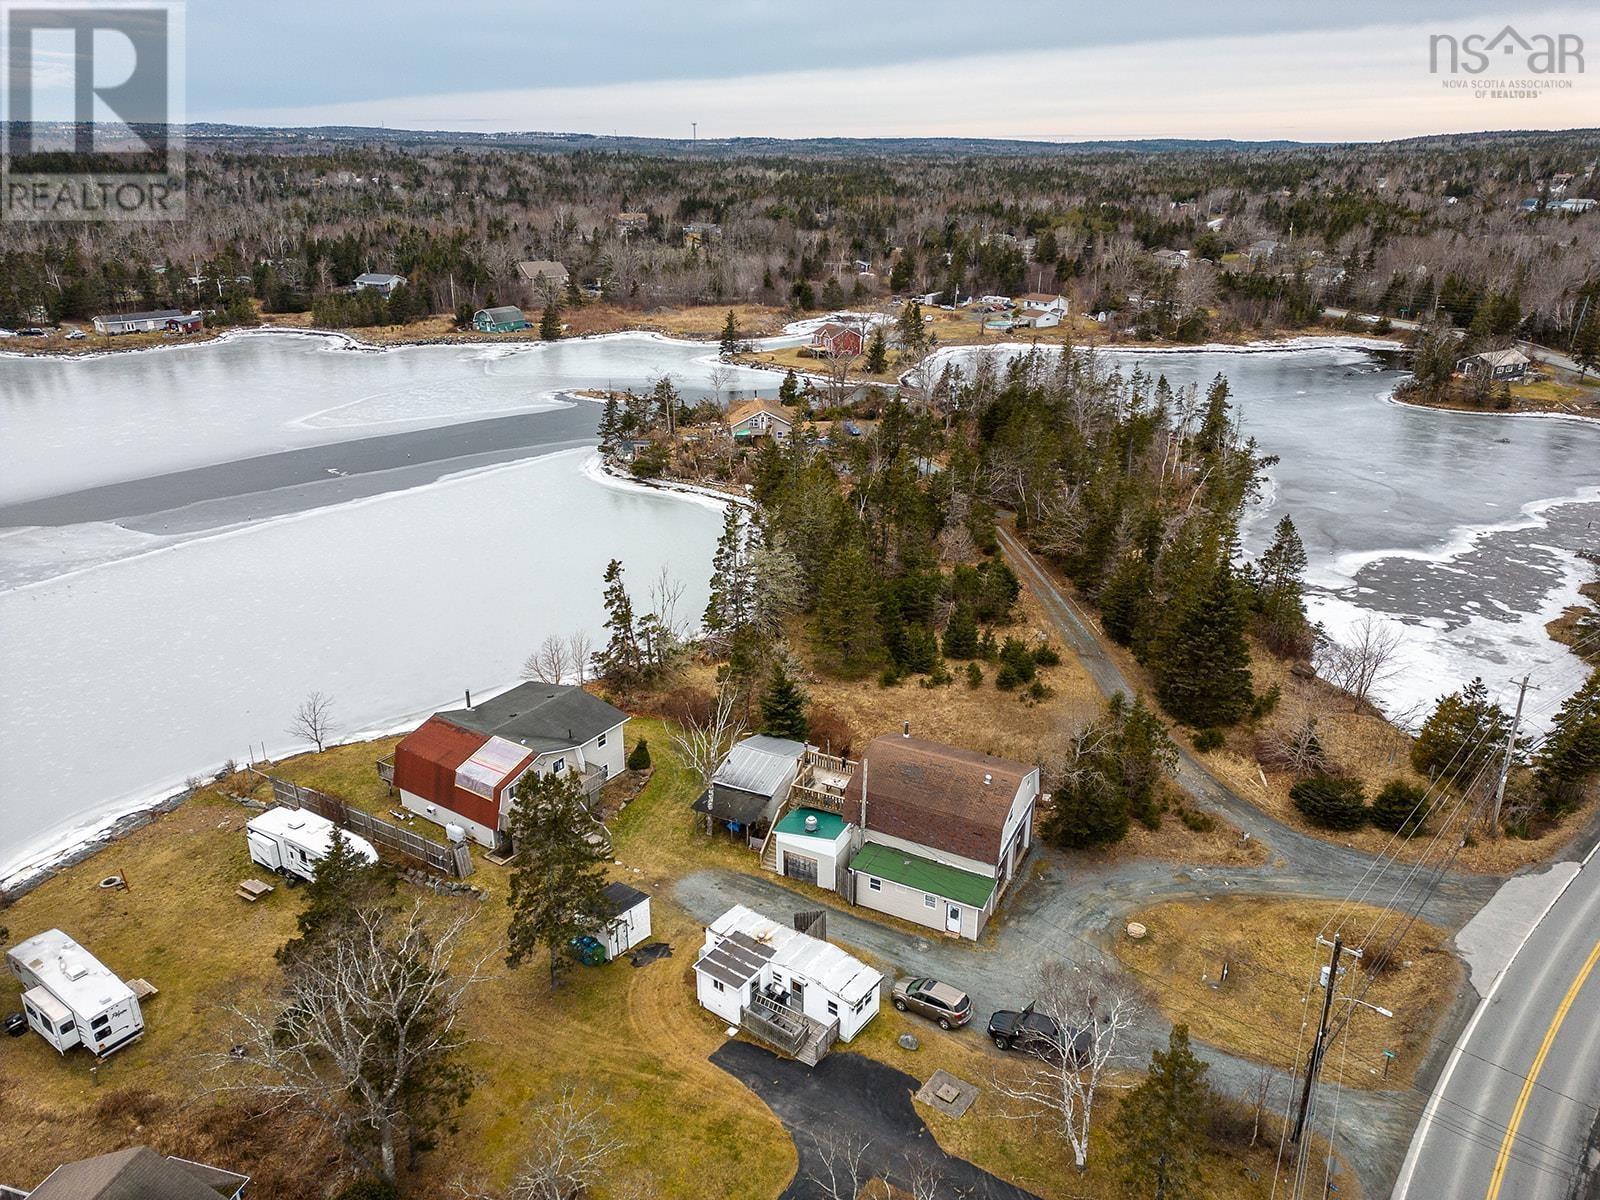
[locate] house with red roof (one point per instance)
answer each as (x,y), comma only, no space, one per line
(461,767)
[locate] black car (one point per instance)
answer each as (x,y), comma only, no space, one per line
(1025,1030)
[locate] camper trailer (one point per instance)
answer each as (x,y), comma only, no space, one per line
(70,998)
(291,841)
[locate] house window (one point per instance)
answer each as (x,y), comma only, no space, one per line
(874,885)
(601,741)
(558,766)
(929,900)
(833,1009)
(717,983)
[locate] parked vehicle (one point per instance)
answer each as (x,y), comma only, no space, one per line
(76,335)
(33,331)
(71,998)
(1026,1030)
(291,841)
(940,1002)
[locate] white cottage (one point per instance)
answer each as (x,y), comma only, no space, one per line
(627,919)
(788,988)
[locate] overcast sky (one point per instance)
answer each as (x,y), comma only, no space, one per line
(1069,69)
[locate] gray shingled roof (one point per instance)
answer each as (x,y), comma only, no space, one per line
(137,1173)
(619,898)
(540,716)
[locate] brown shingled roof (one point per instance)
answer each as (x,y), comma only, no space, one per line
(935,795)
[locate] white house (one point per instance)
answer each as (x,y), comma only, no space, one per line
(627,917)
(462,767)
(377,281)
(1040,318)
(71,998)
(787,987)
(943,831)
(812,845)
(292,841)
(1047,301)
(139,322)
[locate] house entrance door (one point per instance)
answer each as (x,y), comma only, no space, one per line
(952,918)
(798,866)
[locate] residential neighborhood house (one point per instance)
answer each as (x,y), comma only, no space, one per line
(137,1173)
(374,281)
(838,339)
(507,318)
(1046,301)
(542,276)
(792,990)
(760,418)
(1497,365)
(462,767)
(139,322)
(751,785)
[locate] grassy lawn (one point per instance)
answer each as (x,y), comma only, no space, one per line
(1273,956)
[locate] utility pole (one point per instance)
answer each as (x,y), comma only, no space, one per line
(1505,760)
(1314,1063)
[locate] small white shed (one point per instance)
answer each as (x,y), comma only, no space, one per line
(627,916)
(292,841)
(812,846)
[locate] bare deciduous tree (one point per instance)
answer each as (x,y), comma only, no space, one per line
(842,1169)
(580,649)
(313,720)
(720,378)
(572,1143)
(1091,1007)
(551,662)
(703,744)
(1359,664)
(1297,749)
(366,1036)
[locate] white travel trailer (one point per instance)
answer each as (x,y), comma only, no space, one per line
(292,841)
(71,998)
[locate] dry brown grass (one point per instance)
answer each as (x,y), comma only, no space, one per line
(1273,957)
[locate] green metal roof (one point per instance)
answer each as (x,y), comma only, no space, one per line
(914,871)
(829,825)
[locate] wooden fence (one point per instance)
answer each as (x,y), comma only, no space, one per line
(454,861)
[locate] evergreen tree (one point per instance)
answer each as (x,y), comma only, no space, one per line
(1586,344)
(789,389)
(730,609)
(557,882)
(731,337)
(877,352)
(847,605)
(1160,1127)
(343,883)
(832,294)
(1460,737)
(1216,426)
(1331,802)
(639,756)
(1570,756)
(610,423)
(620,662)
(903,271)
(550,321)
(1202,661)
(1279,580)
(783,708)
(1125,600)
(961,634)
(912,333)
(1399,808)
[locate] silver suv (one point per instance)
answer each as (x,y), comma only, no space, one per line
(938,1001)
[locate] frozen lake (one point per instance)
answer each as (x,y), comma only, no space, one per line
(273,514)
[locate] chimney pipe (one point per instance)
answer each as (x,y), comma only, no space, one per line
(905,728)
(987,779)
(469,697)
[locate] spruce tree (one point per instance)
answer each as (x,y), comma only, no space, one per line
(550,321)
(619,662)
(1570,756)
(730,608)
(789,389)
(1399,808)
(1160,1127)
(783,708)
(343,884)
(557,882)
(610,423)
(1280,578)
(961,634)
(1462,733)
(877,352)
(731,337)
(1216,426)
(1202,661)
(847,604)
(912,333)
(1125,600)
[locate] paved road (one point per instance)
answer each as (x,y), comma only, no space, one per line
(1513,1116)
